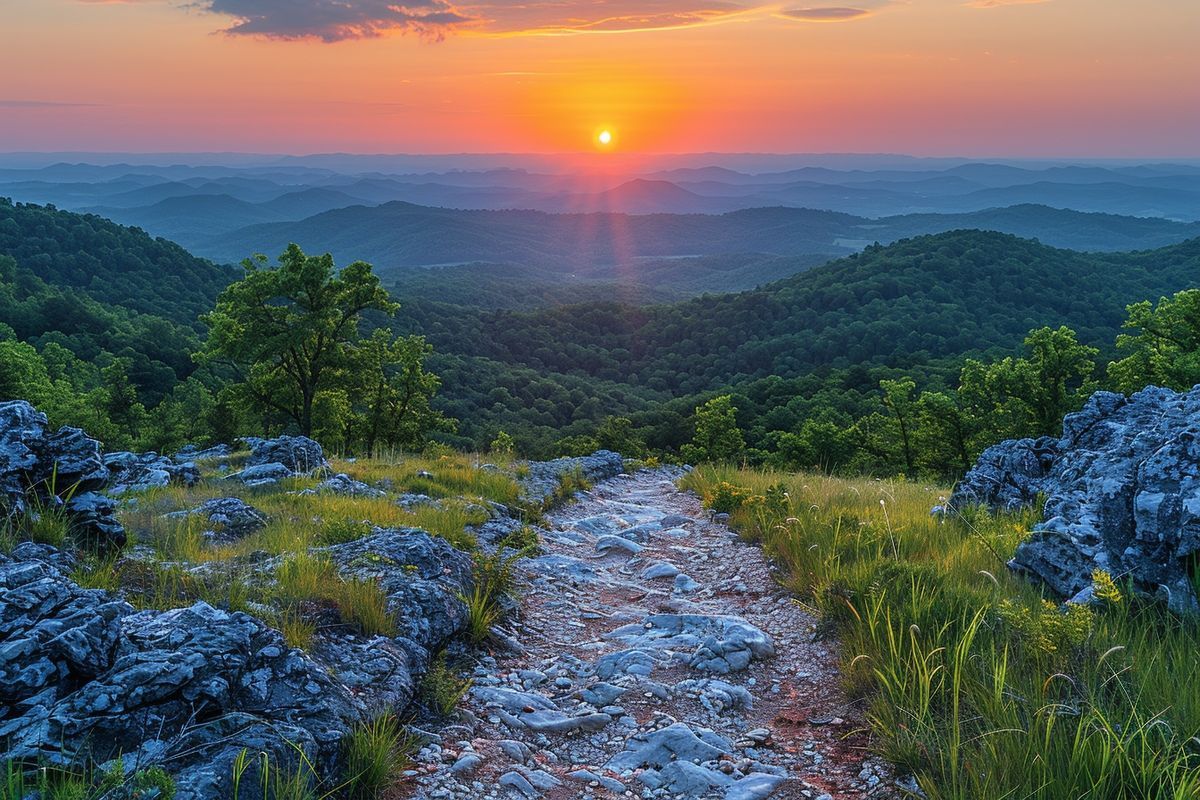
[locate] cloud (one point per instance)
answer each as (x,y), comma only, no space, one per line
(826,13)
(998,3)
(41,104)
(602,16)
(336,20)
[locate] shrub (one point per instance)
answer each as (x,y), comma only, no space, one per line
(441,688)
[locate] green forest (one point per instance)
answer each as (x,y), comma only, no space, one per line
(903,359)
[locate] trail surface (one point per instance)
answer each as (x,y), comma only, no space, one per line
(660,659)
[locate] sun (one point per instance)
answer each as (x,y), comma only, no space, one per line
(604,138)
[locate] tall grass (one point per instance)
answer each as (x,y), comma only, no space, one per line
(973,681)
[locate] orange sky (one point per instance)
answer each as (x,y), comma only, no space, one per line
(929,77)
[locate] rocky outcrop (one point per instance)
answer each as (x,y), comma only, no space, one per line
(1122,488)
(543,478)
(85,676)
(40,469)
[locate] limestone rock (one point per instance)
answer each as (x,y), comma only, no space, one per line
(1122,489)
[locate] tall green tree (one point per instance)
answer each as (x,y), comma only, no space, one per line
(288,331)
(718,437)
(898,400)
(397,392)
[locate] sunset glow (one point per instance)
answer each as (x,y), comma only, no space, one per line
(1102,77)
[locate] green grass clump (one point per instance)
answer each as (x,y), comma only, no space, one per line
(441,688)
(492,582)
(342,531)
(375,754)
(363,605)
(973,680)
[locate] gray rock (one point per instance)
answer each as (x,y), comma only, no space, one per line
(519,783)
(232,517)
(261,475)
(718,643)
(660,570)
(39,469)
(685,584)
(609,543)
(192,453)
(133,472)
(1121,487)
(423,576)
(299,454)
(602,694)
(466,764)
(537,713)
(410,500)
(346,486)
(587,776)
(542,480)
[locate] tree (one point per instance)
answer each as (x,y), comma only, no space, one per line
(717,437)
(898,400)
(288,331)
(1163,348)
(617,434)
(121,404)
(396,391)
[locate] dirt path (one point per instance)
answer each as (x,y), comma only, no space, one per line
(660,660)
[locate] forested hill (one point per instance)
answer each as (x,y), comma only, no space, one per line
(113,264)
(99,294)
(902,305)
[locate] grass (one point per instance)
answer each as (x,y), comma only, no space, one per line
(375,754)
(971,679)
(18,782)
(492,579)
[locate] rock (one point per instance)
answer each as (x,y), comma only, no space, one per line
(133,472)
(423,576)
(214,453)
(660,569)
(517,782)
(609,543)
(40,469)
(602,694)
(1007,476)
(718,643)
(540,484)
(299,454)
(1121,488)
(587,776)
(466,764)
(409,500)
(261,475)
(717,695)
(232,517)
(343,484)
(121,677)
(537,713)
(685,584)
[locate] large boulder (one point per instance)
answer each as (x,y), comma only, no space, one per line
(228,518)
(1122,495)
(44,469)
(299,454)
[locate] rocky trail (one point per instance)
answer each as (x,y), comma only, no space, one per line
(655,656)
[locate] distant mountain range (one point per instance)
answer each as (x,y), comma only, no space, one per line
(207,206)
(399,234)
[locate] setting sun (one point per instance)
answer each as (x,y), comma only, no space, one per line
(604,138)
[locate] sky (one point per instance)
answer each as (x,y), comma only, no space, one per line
(971,78)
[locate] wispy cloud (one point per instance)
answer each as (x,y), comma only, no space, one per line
(998,3)
(42,103)
(826,13)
